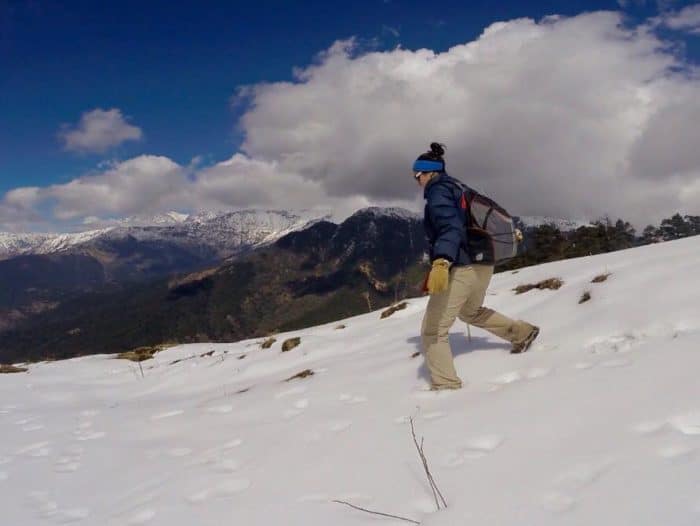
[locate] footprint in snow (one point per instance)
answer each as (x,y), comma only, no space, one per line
(687,424)
(26,421)
(302,403)
(48,508)
(226,466)
(67,464)
(560,500)
(227,488)
(314,497)
(557,502)
(179,452)
(675,451)
(340,425)
(40,449)
(89,435)
(167,414)
(512,377)
(232,443)
(220,409)
(291,392)
(616,363)
(72,515)
(475,448)
(582,475)
(32,427)
(141,517)
(649,427)
(623,343)
(434,415)
(352,399)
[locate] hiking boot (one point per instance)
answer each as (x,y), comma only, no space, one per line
(524,345)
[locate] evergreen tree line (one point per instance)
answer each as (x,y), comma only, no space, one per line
(547,243)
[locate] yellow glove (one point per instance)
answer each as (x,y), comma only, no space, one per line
(518,235)
(439,276)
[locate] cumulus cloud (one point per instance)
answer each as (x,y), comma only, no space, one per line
(547,117)
(571,117)
(687,19)
(98,131)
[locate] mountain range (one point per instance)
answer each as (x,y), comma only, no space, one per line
(221,276)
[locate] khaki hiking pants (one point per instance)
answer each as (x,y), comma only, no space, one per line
(463,298)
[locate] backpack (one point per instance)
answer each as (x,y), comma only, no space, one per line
(491,233)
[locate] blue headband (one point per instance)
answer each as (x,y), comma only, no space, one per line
(422,165)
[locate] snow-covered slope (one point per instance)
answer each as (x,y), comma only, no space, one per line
(599,424)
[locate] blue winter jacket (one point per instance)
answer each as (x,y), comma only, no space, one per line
(445,221)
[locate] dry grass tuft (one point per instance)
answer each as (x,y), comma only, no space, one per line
(551,284)
(600,278)
(302,374)
(268,343)
(206,354)
(391,310)
(8,369)
(585,297)
(415,354)
(340,327)
(288,345)
(139,354)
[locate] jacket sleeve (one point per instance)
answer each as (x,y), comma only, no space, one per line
(447,222)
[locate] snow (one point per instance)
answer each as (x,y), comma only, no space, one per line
(564,225)
(226,232)
(392,212)
(598,424)
(20,244)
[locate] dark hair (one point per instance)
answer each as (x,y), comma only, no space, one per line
(436,152)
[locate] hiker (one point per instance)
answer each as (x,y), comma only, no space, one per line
(456,284)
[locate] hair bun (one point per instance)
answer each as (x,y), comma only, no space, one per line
(437,149)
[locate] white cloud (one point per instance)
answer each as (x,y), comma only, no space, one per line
(687,19)
(570,117)
(139,184)
(543,116)
(98,131)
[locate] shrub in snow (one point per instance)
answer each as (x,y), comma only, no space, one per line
(600,278)
(585,297)
(268,343)
(6,369)
(289,344)
(391,310)
(302,374)
(551,283)
(139,354)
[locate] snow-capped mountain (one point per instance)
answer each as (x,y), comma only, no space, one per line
(563,225)
(20,244)
(598,424)
(224,233)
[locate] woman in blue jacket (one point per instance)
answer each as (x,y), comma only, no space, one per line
(457,285)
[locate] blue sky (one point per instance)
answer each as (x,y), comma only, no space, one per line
(171,68)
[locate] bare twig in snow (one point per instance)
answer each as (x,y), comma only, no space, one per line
(377,512)
(431,480)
